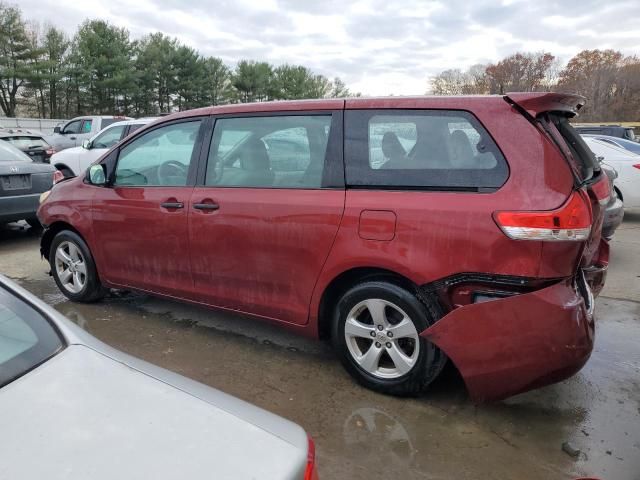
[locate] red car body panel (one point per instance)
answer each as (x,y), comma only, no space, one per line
(263,249)
(142,244)
(273,253)
(508,346)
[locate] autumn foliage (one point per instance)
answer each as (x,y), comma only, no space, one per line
(609,80)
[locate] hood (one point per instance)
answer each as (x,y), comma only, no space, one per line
(69,150)
(85,415)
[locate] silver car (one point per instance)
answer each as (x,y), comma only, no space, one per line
(72,407)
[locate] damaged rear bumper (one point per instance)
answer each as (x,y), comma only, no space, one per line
(518,343)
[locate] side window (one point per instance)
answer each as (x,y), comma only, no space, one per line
(159,157)
(72,127)
(108,138)
(134,126)
(269,152)
(434,149)
(86,126)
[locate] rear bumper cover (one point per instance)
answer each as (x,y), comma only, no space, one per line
(515,344)
(19,207)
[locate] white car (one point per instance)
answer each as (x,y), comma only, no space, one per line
(627,164)
(73,161)
(92,412)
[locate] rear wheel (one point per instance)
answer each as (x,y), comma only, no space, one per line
(376,333)
(73,268)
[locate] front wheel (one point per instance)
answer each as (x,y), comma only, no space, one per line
(376,333)
(73,268)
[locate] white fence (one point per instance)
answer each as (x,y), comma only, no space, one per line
(45,125)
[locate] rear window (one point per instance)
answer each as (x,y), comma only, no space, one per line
(9,153)
(27,142)
(581,159)
(431,149)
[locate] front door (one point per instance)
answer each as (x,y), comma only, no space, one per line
(266,212)
(141,219)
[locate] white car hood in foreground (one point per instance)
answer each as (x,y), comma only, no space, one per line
(85,415)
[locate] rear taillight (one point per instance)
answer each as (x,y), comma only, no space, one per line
(57,176)
(637,165)
(572,222)
(311,473)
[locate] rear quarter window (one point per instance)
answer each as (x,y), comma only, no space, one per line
(421,149)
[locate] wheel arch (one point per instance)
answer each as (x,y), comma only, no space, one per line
(63,166)
(50,233)
(348,279)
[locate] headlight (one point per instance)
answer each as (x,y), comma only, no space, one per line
(44,196)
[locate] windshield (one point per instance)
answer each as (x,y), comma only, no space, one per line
(26,338)
(9,153)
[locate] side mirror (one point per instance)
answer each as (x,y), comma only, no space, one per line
(86,144)
(600,159)
(97,175)
(56,129)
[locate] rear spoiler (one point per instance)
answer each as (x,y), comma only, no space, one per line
(536,103)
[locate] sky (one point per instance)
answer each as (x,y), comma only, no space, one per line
(378,47)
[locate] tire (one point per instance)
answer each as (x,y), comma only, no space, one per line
(34,223)
(68,246)
(391,373)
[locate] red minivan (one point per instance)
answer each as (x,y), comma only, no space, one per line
(408,231)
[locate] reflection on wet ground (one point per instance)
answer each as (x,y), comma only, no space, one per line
(362,435)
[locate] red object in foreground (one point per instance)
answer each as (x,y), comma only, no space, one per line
(311,472)
(469,217)
(637,165)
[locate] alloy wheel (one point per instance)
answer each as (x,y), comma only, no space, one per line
(381,338)
(71,267)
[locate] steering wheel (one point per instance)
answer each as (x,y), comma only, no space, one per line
(169,170)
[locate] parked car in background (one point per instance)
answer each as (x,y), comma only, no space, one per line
(21,182)
(632,146)
(75,400)
(75,160)
(77,130)
(31,142)
(614,210)
(408,231)
(627,164)
(618,131)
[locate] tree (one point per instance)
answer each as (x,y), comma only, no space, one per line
(252,80)
(55,46)
(520,72)
(456,82)
(156,72)
(294,82)
(16,57)
(593,73)
(105,56)
(217,81)
(338,89)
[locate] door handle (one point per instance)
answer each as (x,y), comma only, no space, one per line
(172,205)
(206,206)
(72,138)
